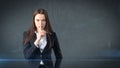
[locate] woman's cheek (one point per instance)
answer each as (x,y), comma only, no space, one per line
(36,25)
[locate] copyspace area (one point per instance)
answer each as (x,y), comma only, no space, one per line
(88,31)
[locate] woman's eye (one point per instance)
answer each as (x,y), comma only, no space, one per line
(43,20)
(37,20)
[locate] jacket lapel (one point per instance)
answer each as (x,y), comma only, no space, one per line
(47,45)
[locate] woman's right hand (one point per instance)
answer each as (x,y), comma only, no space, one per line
(41,32)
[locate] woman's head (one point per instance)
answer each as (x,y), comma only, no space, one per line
(41,20)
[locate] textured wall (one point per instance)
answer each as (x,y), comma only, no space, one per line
(88,30)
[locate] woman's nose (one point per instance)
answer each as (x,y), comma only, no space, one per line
(40,22)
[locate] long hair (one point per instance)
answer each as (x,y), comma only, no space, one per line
(33,28)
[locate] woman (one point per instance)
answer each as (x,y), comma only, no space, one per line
(39,41)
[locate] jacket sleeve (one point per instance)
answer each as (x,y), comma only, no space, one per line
(57,52)
(29,48)
(56,47)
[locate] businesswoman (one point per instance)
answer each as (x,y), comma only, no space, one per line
(39,41)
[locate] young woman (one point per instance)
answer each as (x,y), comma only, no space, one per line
(39,41)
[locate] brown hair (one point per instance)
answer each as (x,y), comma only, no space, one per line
(33,28)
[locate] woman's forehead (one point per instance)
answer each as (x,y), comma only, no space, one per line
(39,16)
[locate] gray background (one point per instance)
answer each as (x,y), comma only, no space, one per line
(88,31)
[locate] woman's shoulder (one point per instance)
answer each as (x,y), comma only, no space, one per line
(53,33)
(25,33)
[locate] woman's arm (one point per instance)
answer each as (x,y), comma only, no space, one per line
(29,48)
(56,47)
(57,52)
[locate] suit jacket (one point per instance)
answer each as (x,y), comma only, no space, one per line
(34,56)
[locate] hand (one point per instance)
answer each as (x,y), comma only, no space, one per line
(41,32)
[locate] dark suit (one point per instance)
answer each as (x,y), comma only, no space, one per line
(33,54)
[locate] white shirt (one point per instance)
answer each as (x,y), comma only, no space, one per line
(42,44)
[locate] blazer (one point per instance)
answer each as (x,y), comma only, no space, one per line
(34,56)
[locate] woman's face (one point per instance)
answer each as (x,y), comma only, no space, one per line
(40,21)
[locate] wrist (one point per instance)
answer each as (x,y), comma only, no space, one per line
(36,42)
